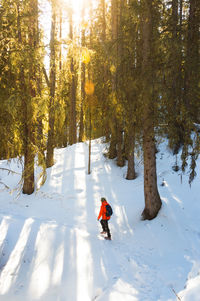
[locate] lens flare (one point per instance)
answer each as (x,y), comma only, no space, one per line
(89,88)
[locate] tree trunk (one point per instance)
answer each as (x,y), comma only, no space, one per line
(192,62)
(60,50)
(114,27)
(29,141)
(28,174)
(131,174)
(90,134)
(151,194)
(152,197)
(175,81)
(120,82)
(72,125)
(113,147)
(120,157)
(114,17)
(52,83)
(81,126)
(104,93)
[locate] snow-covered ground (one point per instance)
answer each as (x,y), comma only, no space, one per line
(51,250)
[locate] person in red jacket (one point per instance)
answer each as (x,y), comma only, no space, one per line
(105,219)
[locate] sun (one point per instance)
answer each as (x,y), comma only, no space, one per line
(80,10)
(77,10)
(78,3)
(81,15)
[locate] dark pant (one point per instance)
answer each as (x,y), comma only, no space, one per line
(104,224)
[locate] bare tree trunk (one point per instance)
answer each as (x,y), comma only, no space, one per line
(90,95)
(152,197)
(131,174)
(113,145)
(81,127)
(192,61)
(114,16)
(72,125)
(120,157)
(52,83)
(90,134)
(28,175)
(29,141)
(104,94)
(60,50)
(175,81)
(113,122)
(120,79)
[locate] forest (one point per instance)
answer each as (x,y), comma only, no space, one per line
(125,70)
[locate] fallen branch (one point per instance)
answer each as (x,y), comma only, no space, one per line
(9,171)
(173,290)
(6,186)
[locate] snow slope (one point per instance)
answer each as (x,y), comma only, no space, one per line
(51,250)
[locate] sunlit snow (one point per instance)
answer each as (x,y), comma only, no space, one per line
(51,249)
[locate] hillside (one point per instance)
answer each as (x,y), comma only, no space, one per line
(51,250)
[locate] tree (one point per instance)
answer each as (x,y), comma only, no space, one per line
(52,87)
(180,91)
(83,62)
(72,119)
(28,102)
(22,91)
(8,111)
(191,106)
(191,79)
(174,75)
(152,197)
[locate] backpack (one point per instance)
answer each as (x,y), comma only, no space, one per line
(109,211)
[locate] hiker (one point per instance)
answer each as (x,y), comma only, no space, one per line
(105,218)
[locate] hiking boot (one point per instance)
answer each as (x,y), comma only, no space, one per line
(103,232)
(108,238)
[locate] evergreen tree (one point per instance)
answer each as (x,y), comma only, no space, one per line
(72,116)
(85,58)
(22,90)
(52,88)
(191,96)
(152,197)
(28,98)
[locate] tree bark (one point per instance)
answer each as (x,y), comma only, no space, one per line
(52,83)
(151,194)
(120,80)
(90,134)
(113,122)
(120,157)
(192,62)
(104,93)
(72,125)
(81,126)
(175,81)
(131,174)
(114,17)
(112,149)
(29,141)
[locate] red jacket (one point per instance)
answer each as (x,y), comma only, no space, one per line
(102,212)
